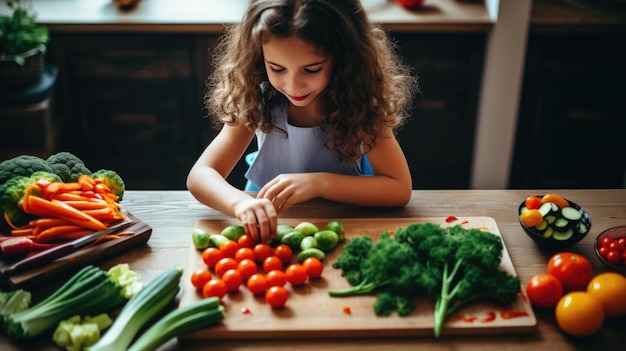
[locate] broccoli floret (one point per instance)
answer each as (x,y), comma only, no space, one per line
(112,180)
(354,253)
(68,166)
(23,165)
(12,191)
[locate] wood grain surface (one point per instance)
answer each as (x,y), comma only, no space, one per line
(311,313)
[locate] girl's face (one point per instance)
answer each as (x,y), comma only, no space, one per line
(296,69)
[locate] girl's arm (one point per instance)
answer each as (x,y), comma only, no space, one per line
(391,185)
(207,183)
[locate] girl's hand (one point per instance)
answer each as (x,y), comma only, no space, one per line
(287,190)
(258,217)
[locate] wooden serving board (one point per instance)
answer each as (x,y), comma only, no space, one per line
(35,276)
(311,313)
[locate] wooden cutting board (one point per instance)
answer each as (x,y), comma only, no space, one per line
(34,277)
(311,313)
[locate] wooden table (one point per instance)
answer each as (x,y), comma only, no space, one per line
(172,215)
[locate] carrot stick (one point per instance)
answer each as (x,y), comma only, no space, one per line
(69,233)
(77,197)
(55,188)
(22,232)
(86,182)
(87,205)
(53,233)
(9,222)
(44,208)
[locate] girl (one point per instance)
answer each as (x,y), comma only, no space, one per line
(323,92)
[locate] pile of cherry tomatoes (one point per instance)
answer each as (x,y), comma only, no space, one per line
(581,300)
(261,268)
(613,250)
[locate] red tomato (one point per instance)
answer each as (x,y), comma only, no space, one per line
(572,270)
(533,202)
(232,279)
(613,256)
(199,278)
(272,263)
(214,287)
(276,296)
(229,248)
(284,252)
(243,253)
(296,274)
(544,290)
(225,264)
(276,278)
(211,255)
(622,242)
(257,284)
(246,241)
(247,268)
(262,251)
(410,4)
(313,267)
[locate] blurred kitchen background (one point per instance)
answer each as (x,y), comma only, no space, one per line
(514,93)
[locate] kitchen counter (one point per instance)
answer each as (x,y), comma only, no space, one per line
(172,215)
(209,16)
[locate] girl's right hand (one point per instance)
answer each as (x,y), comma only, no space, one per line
(258,217)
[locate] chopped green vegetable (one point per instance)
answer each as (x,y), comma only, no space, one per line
(454,265)
(13,302)
(76,334)
(201,314)
(140,310)
(91,291)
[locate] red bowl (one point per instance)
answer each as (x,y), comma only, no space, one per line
(613,233)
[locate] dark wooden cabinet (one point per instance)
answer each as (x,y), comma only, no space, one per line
(439,138)
(572,113)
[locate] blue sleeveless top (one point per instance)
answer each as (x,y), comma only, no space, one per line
(299,150)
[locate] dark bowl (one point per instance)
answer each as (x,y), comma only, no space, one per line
(558,242)
(613,233)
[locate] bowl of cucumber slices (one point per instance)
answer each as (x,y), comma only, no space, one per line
(552,221)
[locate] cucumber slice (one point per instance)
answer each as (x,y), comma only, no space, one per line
(582,228)
(542,226)
(571,214)
(550,219)
(561,223)
(548,232)
(563,235)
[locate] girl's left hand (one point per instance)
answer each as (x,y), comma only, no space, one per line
(287,190)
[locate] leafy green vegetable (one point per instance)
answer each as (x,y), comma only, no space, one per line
(77,334)
(13,302)
(91,291)
(113,180)
(67,166)
(454,265)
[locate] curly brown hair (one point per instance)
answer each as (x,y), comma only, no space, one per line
(369,86)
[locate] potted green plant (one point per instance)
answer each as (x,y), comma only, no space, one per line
(23,44)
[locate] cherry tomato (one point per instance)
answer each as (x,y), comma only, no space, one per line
(531,218)
(225,264)
(211,255)
(411,4)
(276,296)
(232,278)
(262,251)
(572,270)
(276,278)
(533,202)
(615,246)
(257,284)
(243,253)
(613,256)
(199,278)
(229,248)
(296,274)
(609,288)
(245,241)
(214,287)
(247,268)
(603,251)
(544,290)
(555,199)
(606,241)
(284,252)
(622,242)
(272,263)
(313,267)
(579,313)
